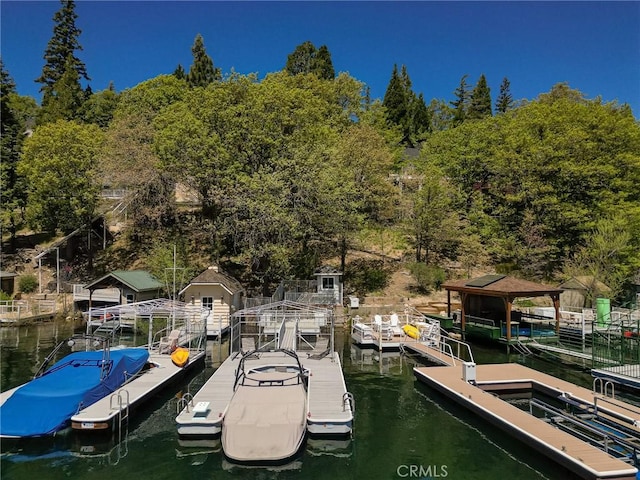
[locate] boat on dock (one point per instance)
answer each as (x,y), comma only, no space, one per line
(46,404)
(282,381)
(172,327)
(266,417)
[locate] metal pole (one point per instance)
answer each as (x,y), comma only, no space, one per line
(58,270)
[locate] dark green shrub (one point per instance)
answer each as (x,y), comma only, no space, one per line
(366,276)
(427,277)
(28,283)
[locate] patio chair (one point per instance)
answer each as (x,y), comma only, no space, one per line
(169,343)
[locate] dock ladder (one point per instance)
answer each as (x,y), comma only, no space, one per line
(601,386)
(184,402)
(521,348)
(122,404)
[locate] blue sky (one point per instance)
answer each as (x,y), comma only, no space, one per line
(593,46)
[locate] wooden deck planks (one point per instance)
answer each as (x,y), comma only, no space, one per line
(578,456)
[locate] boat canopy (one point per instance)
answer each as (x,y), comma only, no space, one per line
(44,405)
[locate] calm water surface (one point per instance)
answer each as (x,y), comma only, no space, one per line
(403,429)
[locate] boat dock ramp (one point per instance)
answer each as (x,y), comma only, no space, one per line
(273,347)
(592,435)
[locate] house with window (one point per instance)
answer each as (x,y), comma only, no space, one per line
(329,282)
(219,293)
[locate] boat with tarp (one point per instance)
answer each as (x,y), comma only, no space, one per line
(45,405)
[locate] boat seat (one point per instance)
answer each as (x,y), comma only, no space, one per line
(169,343)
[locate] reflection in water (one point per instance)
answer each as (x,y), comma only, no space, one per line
(398,422)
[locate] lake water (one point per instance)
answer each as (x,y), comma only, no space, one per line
(403,429)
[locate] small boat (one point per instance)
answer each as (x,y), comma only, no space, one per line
(46,404)
(266,420)
(180,357)
(411,331)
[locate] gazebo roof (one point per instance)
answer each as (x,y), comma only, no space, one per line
(501,286)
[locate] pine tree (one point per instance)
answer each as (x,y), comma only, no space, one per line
(421,117)
(480,102)
(61,50)
(180,73)
(307,59)
(322,64)
(460,104)
(504,101)
(395,99)
(301,59)
(12,192)
(202,71)
(66,97)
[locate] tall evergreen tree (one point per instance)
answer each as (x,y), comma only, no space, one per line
(395,99)
(202,71)
(307,59)
(12,195)
(460,104)
(180,73)
(61,50)
(421,117)
(66,98)
(480,101)
(504,101)
(322,64)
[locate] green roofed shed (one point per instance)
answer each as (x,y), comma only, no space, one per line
(134,285)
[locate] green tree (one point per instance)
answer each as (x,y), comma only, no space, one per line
(100,107)
(433,222)
(202,72)
(461,103)
(57,162)
(307,59)
(323,65)
(396,101)
(11,135)
(504,102)
(60,55)
(65,99)
(180,73)
(480,100)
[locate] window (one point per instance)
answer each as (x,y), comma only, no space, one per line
(131,298)
(207,302)
(327,283)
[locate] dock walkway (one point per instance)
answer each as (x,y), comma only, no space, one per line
(580,457)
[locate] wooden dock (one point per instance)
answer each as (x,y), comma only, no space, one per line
(327,412)
(580,457)
(110,411)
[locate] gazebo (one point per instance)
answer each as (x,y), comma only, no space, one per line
(493,296)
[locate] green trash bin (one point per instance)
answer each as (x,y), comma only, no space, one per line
(603,311)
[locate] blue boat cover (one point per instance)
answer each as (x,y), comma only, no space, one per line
(46,404)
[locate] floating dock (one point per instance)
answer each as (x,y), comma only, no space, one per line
(327,412)
(275,336)
(425,338)
(474,387)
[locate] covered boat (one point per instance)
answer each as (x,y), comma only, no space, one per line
(45,405)
(266,418)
